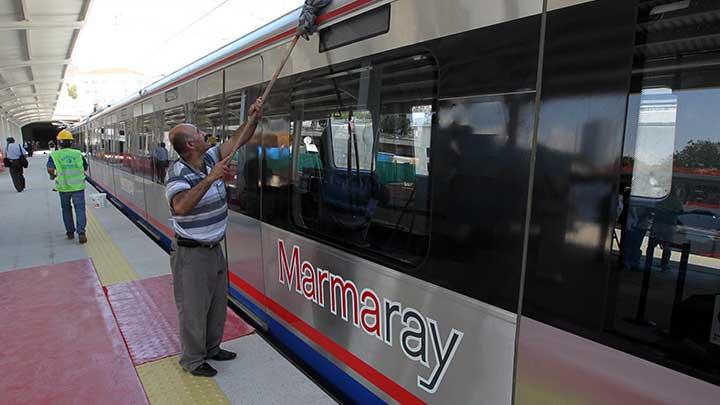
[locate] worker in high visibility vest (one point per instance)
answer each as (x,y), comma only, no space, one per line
(67,167)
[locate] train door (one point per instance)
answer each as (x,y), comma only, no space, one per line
(667,288)
(243,237)
(144,114)
(106,131)
(89,130)
(98,151)
(622,292)
(115,159)
(87,147)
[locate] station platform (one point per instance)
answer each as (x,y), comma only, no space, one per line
(96,323)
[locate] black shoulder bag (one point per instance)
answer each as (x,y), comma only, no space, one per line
(23,159)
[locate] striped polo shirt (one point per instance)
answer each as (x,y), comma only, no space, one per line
(207,221)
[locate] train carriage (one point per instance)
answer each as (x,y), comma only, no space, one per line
(463,201)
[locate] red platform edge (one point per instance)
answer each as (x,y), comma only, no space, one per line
(146,314)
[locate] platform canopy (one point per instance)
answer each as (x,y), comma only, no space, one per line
(37,38)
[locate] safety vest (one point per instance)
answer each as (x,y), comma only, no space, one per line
(69,170)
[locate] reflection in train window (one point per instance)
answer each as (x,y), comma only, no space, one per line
(208,116)
(651,124)
(143,164)
(623,240)
(170,118)
(234,111)
(668,287)
(352,131)
(361,175)
(122,147)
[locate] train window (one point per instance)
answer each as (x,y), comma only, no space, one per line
(91,140)
(275,156)
(244,191)
(208,116)
(367,25)
(143,163)
(210,86)
(650,284)
(670,280)
(352,131)
(361,173)
(170,118)
(121,147)
(131,144)
(148,107)
(234,110)
(113,144)
(171,95)
(104,144)
(243,74)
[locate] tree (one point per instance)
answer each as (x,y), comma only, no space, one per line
(699,154)
(396,124)
(72,91)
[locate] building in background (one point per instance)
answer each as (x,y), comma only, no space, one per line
(90,90)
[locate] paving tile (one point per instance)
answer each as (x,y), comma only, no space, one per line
(145,310)
(166,382)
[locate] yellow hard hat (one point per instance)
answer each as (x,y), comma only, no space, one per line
(65,135)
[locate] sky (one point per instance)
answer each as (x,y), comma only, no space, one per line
(157,37)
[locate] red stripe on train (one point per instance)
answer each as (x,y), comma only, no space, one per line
(378,379)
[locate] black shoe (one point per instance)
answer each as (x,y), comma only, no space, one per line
(204,370)
(223,355)
(82,238)
(70,235)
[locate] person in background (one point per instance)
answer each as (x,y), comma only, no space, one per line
(29,148)
(198,205)
(15,153)
(212,140)
(160,161)
(51,145)
(67,167)
(664,225)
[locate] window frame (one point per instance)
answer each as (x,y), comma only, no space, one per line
(297,117)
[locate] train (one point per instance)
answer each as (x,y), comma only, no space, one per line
(463,201)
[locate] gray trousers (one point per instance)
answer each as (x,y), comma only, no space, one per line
(200,285)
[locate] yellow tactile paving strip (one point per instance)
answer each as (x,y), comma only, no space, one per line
(165,382)
(110,263)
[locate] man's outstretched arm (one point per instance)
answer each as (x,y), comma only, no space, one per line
(237,140)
